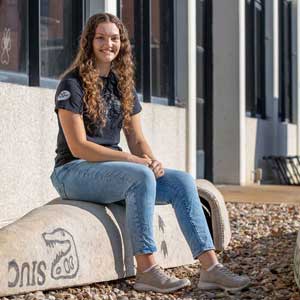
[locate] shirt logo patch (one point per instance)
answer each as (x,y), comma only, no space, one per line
(63,95)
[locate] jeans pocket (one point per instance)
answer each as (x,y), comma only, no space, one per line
(58,186)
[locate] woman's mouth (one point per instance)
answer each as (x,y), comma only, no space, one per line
(107,51)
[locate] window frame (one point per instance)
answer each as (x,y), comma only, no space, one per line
(34,46)
(142,17)
(287,84)
(255,107)
(34,43)
(76,26)
(16,77)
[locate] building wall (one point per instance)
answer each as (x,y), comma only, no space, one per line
(241,142)
(28,140)
(259,144)
(228,112)
(270,136)
(261,134)
(29,125)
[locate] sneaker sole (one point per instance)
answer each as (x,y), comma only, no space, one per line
(141,287)
(214,286)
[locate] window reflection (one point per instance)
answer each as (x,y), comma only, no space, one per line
(200,13)
(255,58)
(160,47)
(161,41)
(128,15)
(57,36)
(200,48)
(13,39)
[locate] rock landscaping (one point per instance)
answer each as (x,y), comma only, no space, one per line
(262,246)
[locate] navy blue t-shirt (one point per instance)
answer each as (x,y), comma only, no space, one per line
(69,96)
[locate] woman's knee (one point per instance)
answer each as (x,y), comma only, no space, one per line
(143,188)
(181,179)
(181,176)
(144,177)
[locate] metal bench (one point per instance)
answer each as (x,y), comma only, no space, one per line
(286,169)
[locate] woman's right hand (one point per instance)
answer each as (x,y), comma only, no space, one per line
(139,160)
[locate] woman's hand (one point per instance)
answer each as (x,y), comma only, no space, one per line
(156,166)
(140,160)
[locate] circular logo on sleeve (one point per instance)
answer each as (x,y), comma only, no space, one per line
(63,95)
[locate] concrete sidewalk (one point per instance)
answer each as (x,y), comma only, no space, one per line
(261,193)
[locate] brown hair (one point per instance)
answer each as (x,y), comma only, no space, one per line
(122,66)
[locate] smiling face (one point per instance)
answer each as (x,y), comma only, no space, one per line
(106,42)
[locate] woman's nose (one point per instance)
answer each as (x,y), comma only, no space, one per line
(108,42)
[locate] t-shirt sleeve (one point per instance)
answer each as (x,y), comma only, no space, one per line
(69,96)
(136,104)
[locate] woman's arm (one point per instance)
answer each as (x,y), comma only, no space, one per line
(135,138)
(139,146)
(80,147)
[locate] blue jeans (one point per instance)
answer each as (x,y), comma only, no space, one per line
(112,181)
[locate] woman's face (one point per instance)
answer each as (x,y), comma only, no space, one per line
(106,42)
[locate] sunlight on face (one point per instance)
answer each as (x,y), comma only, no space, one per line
(106,42)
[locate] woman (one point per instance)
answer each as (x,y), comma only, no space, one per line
(94,100)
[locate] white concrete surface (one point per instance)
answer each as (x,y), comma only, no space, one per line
(49,248)
(227,107)
(28,141)
(192,84)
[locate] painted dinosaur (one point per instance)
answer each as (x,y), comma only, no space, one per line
(66,263)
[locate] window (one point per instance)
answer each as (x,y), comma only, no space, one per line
(204,89)
(93,7)
(200,5)
(130,13)
(200,115)
(162,45)
(288,62)
(39,39)
(14,41)
(60,27)
(150,26)
(255,59)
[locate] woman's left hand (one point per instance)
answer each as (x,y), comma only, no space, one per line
(156,166)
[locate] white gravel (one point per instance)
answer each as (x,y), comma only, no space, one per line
(262,246)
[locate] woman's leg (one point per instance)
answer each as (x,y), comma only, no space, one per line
(179,189)
(109,182)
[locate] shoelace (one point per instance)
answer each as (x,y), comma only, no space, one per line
(159,271)
(226,271)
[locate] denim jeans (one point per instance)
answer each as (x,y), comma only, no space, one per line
(112,181)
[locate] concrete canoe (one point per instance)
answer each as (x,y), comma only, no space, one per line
(71,243)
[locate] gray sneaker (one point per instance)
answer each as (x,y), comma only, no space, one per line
(158,281)
(222,278)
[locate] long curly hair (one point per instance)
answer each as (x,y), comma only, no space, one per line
(122,66)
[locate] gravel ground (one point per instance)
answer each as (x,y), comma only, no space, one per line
(262,246)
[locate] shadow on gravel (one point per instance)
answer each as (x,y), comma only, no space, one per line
(269,263)
(267,260)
